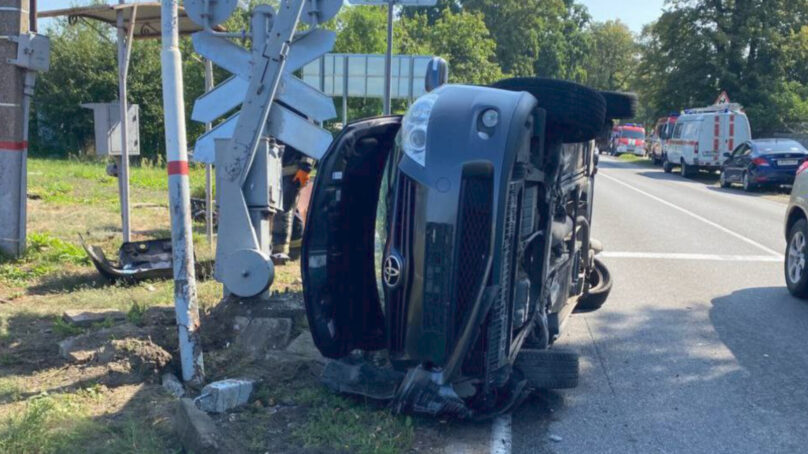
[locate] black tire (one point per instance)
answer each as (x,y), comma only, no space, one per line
(575,113)
(667,166)
(799,286)
(549,369)
(297,236)
(619,105)
(748,186)
(722,180)
(600,284)
(684,169)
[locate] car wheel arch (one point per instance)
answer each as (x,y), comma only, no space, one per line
(795,215)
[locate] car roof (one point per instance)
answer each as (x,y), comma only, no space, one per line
(781,144)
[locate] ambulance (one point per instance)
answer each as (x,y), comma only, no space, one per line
(702,136)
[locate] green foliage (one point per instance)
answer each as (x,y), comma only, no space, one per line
(462,38)
(45,253)
(65,329)
(753,49)
(83,69)
(613,59)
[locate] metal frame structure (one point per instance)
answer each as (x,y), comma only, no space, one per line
(131,21)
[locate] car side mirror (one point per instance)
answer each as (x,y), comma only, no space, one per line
(727,155)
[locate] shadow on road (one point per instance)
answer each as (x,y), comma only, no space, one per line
(765,330)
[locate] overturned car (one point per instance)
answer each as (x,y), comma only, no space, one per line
(445,249)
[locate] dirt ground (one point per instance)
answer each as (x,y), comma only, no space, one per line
(65,388)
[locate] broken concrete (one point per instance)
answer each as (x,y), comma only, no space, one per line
(195,429)
(85,319)
(220,396)
(172,384)
(256,336)
(303,345)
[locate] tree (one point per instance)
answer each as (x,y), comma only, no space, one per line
(462,39)
(747,47)
(612,63)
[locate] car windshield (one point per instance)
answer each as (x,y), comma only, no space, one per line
(632,134)
(781,148)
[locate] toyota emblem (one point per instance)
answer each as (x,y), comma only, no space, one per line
(392,271)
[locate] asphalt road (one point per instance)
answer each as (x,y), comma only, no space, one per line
(700,348)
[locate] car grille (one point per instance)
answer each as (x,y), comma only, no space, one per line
(473,243)
(401,241)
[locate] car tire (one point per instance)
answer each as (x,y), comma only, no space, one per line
(722,180)
(748,186)
(600,284)
(549,368)
(796,271)
(685,170)
(667,166)
(619,105)
(575,113)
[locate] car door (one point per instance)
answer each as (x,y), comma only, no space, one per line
(339,250)
(731,166)
(740,161)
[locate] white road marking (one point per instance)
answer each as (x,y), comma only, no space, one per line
(696,216)
(501,435)
(684,256)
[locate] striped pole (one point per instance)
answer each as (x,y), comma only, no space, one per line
(185,302)
(16,87)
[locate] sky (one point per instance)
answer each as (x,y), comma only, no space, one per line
(635,13)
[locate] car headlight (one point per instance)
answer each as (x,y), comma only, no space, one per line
(414,127)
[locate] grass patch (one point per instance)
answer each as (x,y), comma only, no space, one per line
(65,329)
(45,254)
(634,159)
(341,423)
(63,423)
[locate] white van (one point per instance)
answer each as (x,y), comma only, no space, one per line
(702,136)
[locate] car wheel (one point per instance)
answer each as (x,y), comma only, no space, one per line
(549,368)
(795,263)
(667,166)
(722,180)
(600,284)
(620,105)
(684,169)
(748,186)
(575,113)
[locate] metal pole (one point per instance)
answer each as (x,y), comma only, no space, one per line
(344,91)
(123,161)
(13,132)
(209,167)
(185,303)
(388,58)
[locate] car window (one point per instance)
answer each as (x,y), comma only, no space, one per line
(632,134)
(677,130)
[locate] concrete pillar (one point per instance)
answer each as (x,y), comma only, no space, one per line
(14,20)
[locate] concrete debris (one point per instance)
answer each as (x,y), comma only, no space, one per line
(224,395)
(195,429)
(172,384)
(84,319)
(303,345)
(258,335)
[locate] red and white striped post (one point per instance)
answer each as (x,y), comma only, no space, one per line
(185,301)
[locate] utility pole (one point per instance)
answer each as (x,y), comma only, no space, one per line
(185,302)
(14,102)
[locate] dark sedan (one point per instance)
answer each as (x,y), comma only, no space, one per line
(763,162)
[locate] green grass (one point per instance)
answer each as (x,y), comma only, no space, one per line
(634,159)
(63,423)
(44,254)
(341,423)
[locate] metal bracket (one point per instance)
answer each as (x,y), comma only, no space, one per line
(33,52)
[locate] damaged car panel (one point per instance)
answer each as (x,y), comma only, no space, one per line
(483,203)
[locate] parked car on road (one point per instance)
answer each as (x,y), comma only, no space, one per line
(629,138)
(661,137)
(796,257)
(702,136)
(763,162)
